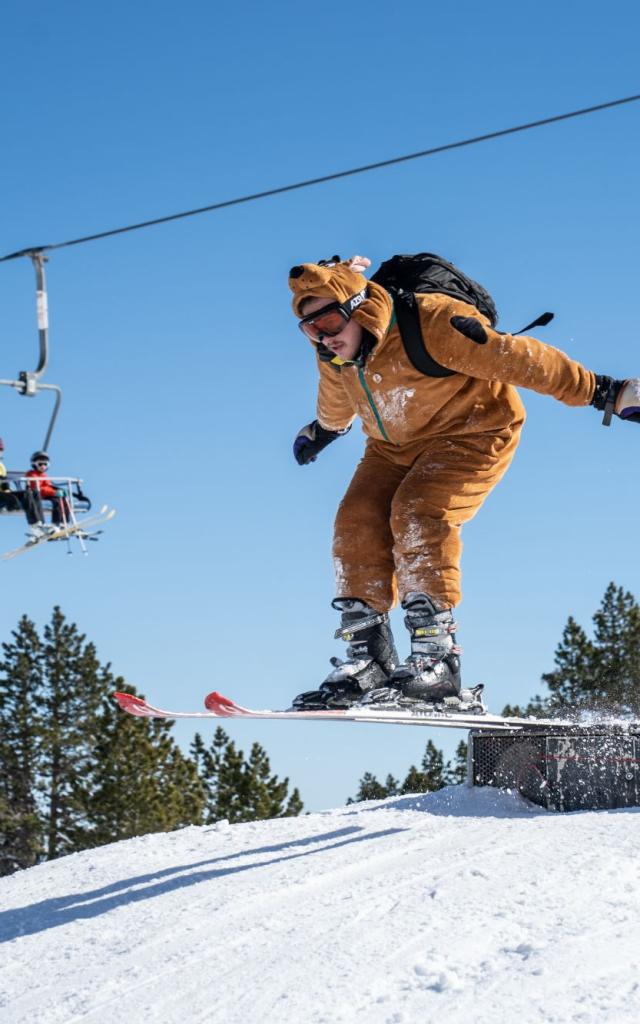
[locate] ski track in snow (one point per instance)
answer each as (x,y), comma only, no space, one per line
(461,906)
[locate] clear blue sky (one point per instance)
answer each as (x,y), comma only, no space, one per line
(185,378)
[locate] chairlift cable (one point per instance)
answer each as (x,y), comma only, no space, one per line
(324,178)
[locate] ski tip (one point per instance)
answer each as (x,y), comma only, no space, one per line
(218,704)
(128,702)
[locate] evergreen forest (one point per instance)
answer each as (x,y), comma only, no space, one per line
(75,772)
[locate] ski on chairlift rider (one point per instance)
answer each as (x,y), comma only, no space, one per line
(40,482)
(436,447)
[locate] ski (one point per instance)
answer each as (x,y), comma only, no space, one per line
(78,529)
(219,706)
(226,708)
(141,708)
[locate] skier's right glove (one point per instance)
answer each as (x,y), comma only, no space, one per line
(312,439)
(617,397)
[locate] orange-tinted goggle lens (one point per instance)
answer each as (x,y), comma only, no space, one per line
(324,325)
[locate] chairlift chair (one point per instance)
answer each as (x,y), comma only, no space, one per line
(29,383)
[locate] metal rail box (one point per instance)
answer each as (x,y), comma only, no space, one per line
(563,769)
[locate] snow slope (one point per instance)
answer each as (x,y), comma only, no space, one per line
(461,906)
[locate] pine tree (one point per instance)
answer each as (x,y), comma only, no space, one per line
(204,760)
(514,711)
(139,781)
(391,785)
(456,771)
(74,686)
(617,651)
(430,777)
(21,687)
(599,673)
(371,789)
(266,796)
(413,782)
(239,789)
(573,681)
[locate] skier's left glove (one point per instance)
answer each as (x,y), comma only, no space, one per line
(61,493)
(312,439)
(617,397)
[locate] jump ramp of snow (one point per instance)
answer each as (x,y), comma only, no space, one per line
(467,905)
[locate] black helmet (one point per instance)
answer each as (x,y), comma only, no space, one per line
(39,457)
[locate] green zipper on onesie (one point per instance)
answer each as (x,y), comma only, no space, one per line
(368,393)
(372,403)
(365,386)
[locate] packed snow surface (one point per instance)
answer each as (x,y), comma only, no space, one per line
(462,906)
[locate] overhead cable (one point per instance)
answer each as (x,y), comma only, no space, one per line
(324,178)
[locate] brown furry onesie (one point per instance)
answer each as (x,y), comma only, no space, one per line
(436,447)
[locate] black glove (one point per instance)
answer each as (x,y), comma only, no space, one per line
(311,440)
(617,397)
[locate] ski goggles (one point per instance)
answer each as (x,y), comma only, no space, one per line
(330,320)
(41,465)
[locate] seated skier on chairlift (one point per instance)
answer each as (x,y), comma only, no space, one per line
(43,486)
(16,500)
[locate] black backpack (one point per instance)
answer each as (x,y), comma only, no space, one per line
(404,276)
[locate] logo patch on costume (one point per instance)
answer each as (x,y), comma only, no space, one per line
(357,300)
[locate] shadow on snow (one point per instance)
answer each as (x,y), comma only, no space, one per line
(52,913)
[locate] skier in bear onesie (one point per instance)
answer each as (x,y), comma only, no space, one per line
(436,447)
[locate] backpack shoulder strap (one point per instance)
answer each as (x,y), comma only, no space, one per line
(408,317)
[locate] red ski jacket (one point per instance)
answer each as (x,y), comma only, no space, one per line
(42,483)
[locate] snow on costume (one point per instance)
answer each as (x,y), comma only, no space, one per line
(436,447)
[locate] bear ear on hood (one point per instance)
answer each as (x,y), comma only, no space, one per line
(358,264)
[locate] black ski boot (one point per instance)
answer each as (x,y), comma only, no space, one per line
(371,658)
(430,676)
